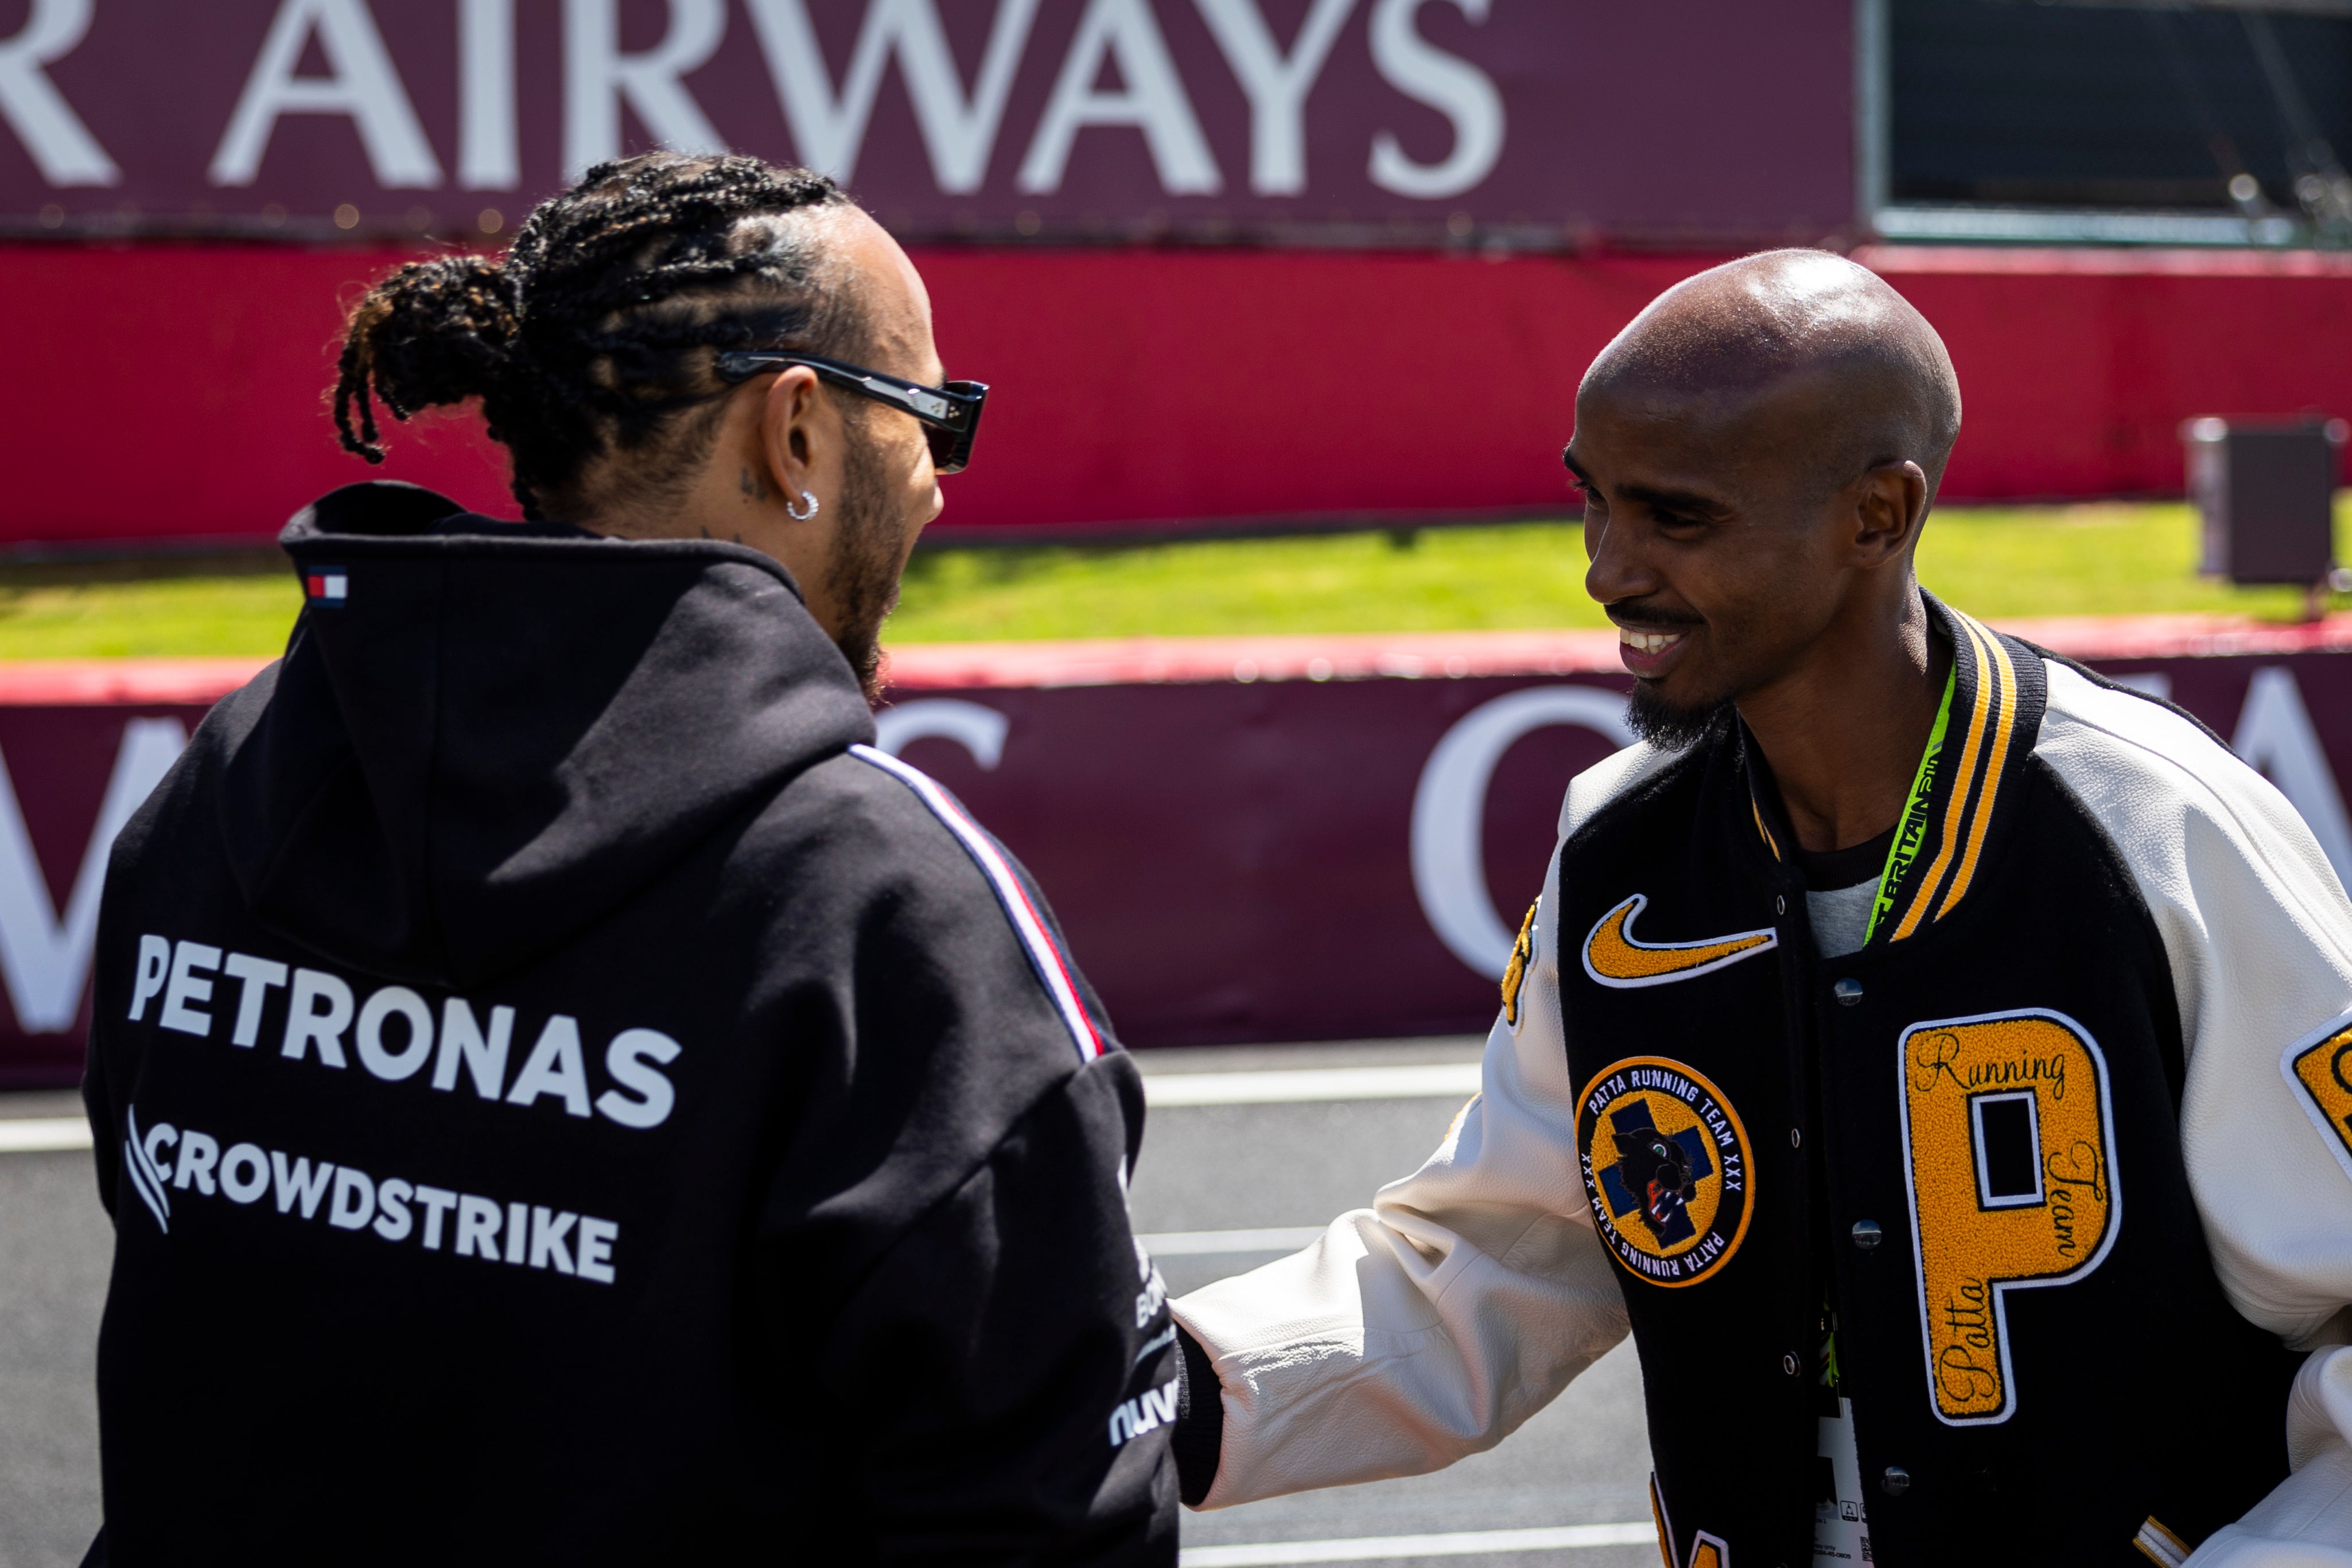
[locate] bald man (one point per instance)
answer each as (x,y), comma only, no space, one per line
(1934,1054)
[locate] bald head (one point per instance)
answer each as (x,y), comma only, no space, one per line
(1812,338)
(1756,453)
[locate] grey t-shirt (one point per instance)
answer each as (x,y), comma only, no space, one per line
(1841,916)
(1840,887)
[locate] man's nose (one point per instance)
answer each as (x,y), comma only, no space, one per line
(1620,569)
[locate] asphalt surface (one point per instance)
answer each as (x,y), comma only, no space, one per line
(55,1246)
(1582,1461)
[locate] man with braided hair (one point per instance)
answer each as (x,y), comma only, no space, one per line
(564,1095)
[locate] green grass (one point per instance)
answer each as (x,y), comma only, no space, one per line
(1530,574)
(63,612)
(2093,560)
(1994,561)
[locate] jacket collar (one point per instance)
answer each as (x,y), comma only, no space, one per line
(1967,789)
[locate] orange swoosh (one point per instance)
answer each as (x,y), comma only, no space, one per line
(1613,958)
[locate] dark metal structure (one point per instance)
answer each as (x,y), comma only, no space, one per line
(2264,492)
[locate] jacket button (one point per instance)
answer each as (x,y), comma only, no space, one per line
(1796,1137)
(1866,1234)
(1789,1363)
(1895,1481)
(1847,992)
(1780,904)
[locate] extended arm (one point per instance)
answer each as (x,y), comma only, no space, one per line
(1431,1325)
(1006,1371)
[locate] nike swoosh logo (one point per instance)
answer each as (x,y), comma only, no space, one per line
(1614,957)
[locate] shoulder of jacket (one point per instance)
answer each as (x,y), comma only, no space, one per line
(1611,779)
(2113,744)
(2149,773)
(847,816)
(924,832)
(2091,723)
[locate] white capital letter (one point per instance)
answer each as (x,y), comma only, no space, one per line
(353,1204)
(256,976)
(190,961)
(154,958)
(1449,811)
(462,1041)
(305,1023)
(1448,84)
(363,85)
(556,1066)
(597,76)
(1277,88)
(45,959)
(393,1066)
(62,145)
(829,131)
(1150,98)
(487,159)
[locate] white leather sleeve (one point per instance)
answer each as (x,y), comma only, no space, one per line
(2259,936)
(1430,1325)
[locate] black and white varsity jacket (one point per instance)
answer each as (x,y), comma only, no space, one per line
(2066,1143)
(565,1097)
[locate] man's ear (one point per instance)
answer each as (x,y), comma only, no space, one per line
(1889,510)
(786,437)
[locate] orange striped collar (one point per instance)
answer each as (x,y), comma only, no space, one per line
(1996,712)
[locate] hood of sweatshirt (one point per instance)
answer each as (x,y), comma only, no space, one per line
(486,735)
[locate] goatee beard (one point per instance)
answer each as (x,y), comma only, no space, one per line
(868,553)
(1668,727)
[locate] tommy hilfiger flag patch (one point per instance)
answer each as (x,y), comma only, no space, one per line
(328,586)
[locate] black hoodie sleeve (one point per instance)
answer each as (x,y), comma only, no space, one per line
(1009,1368)
(981,1359)
(109,983)
(105,1157)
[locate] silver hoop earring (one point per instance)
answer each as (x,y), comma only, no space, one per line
(800,517)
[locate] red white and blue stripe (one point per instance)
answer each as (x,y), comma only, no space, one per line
(1044,956)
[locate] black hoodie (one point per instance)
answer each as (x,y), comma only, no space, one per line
(564,1098)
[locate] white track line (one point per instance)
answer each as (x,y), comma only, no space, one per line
(40,1134)
(1201,1243)
(1432,1080)
(1456,1543)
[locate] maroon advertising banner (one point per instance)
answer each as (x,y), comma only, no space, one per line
(1287,838)
(1535,122)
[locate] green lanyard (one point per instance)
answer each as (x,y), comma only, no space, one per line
(1911,835)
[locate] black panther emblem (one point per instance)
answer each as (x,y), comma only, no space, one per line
(1655,1177)
(1665,1164)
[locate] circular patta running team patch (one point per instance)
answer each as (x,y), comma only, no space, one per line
(1666,1169)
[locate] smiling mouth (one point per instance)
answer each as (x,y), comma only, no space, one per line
(1648,642)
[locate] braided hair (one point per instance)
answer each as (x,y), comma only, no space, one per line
(596,330)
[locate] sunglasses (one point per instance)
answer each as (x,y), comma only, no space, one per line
(949,414)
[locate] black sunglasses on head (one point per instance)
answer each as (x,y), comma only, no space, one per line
(950,413)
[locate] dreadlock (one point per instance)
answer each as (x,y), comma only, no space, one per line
(597,328)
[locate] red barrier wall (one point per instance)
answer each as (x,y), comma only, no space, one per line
(176,390)
(2077,367)
(1227,830)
